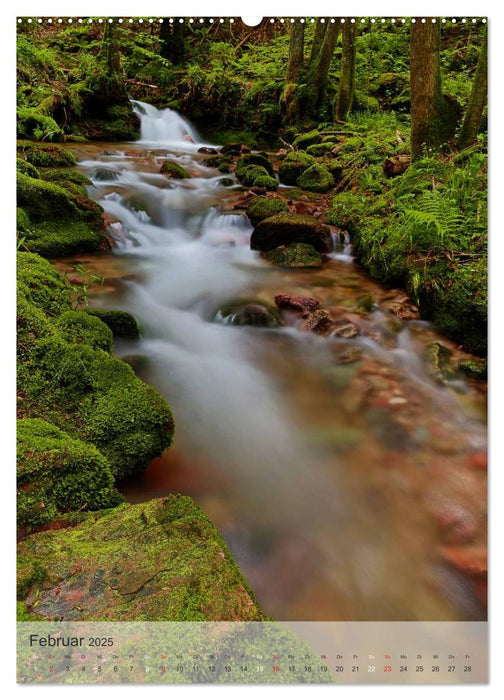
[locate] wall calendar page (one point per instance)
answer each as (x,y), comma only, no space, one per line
(251,350)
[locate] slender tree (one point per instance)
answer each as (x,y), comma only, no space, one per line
(318,38)
(172,41)
(319,70)
(347,74)
(432,121)
(477,99)
(289,100)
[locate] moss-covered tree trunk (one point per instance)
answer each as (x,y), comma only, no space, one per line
(318,38)
(289,101)
(430,116)
(172,41)
(109,87)
(477,99)
(347,74)
(319,70)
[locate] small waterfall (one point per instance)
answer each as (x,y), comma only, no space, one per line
(165,127)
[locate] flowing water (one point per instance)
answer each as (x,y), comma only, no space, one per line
(327,477)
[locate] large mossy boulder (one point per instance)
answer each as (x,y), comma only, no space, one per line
(283,229)
(59,219)
(263,207)
(294,165)
(67,378)
(57,474)
(316,178)
(254,159)
(161,560)
(45,154)
(302,141)
(294,255)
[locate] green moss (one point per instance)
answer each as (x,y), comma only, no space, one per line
(250,174)
(77,386)
(270,183)
(63,176)
(62,222)
(81,327)
(254,159)
(474,368)
(25,168)
(161,560)
(121,323)
(300,157)
(31,124)
(40,284)
(316,179)
(59,239)
(294,255)
(174,170)
(22,220)
(45,155)
(56,474)
(302,141)
(262,207)
(320,149)
(288,173)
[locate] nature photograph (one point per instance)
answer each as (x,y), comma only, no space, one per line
(251,319)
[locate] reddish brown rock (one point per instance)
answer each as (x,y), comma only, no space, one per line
(318,321)
(303,305)
(457,525)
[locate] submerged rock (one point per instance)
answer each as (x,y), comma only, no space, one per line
(284,229)
(174,170)
(318,321)
(252,314)
(161,560)
(294,255)
(207,149)
(304,305)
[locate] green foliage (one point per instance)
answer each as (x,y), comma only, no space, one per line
(34,125)
(87,278)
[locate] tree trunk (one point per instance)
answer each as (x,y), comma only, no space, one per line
(318,38)
(289,99)
(319,70)
(110,87)
(477,100)
(430,119)
(172,41)
(347,75)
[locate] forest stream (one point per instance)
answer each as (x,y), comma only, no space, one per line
(342,474)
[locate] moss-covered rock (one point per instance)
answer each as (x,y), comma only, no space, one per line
(121,323)
(254,159)
(258,315)
(320,149)
(63,220)
(32,124)
(66,378)
(250,174)
(474,368)
(269,183)
(262,207)
(294,165)
(161,560)
(302,141)
(63,176)
(288,172)
(22,220)
(57,474)
(174,170)
(45,154)
(81,327)
(294,255)
(284,228)
(26,168)
(316,178)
